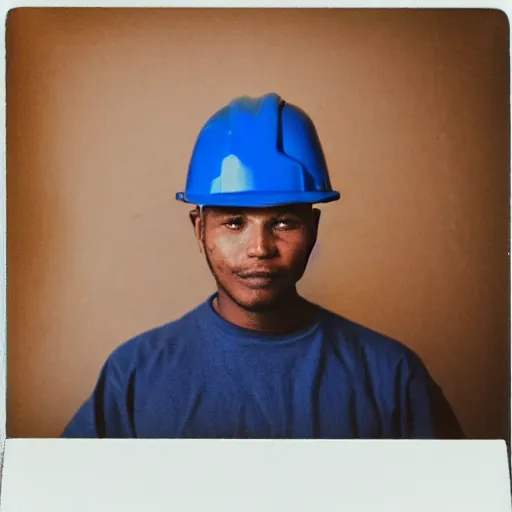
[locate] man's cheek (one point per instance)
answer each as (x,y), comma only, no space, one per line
(300,262)
(218,261)
(228,245)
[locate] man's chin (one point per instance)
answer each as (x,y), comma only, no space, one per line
(261,301)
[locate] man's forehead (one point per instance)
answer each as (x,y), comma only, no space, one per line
(263,211)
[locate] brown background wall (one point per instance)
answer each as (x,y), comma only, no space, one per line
(103,110)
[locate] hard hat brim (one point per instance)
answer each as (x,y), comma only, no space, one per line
(258,199)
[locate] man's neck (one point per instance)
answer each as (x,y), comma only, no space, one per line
(292,315)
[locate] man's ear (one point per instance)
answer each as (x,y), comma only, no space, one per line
(197,222)
(316,222)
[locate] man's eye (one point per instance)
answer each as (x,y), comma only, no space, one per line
(286,224)
(234,223)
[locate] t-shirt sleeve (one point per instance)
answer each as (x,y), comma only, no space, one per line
(426,414)
(106,413)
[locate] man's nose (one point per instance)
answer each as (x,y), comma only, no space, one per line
(260,243)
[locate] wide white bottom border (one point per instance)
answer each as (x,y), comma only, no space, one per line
(139,475)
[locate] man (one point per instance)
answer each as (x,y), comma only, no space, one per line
(256,360)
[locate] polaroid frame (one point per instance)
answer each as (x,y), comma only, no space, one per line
(240,475)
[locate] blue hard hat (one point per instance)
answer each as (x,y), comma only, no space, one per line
(258,152)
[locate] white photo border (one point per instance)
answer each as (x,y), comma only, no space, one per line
(8,5)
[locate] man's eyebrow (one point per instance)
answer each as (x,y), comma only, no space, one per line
(282,213)
(226,212)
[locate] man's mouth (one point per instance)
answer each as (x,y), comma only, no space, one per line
(258,279)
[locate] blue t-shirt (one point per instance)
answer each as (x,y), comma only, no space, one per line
(203,377)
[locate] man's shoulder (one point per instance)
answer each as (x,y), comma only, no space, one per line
(148,344)
(370,341)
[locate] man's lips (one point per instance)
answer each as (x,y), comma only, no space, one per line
(257,273)
(258,279)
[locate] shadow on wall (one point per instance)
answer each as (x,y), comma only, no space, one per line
(35,240)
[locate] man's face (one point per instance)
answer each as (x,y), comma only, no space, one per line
(257,255)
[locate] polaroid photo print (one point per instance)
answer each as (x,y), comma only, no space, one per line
(256,258)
